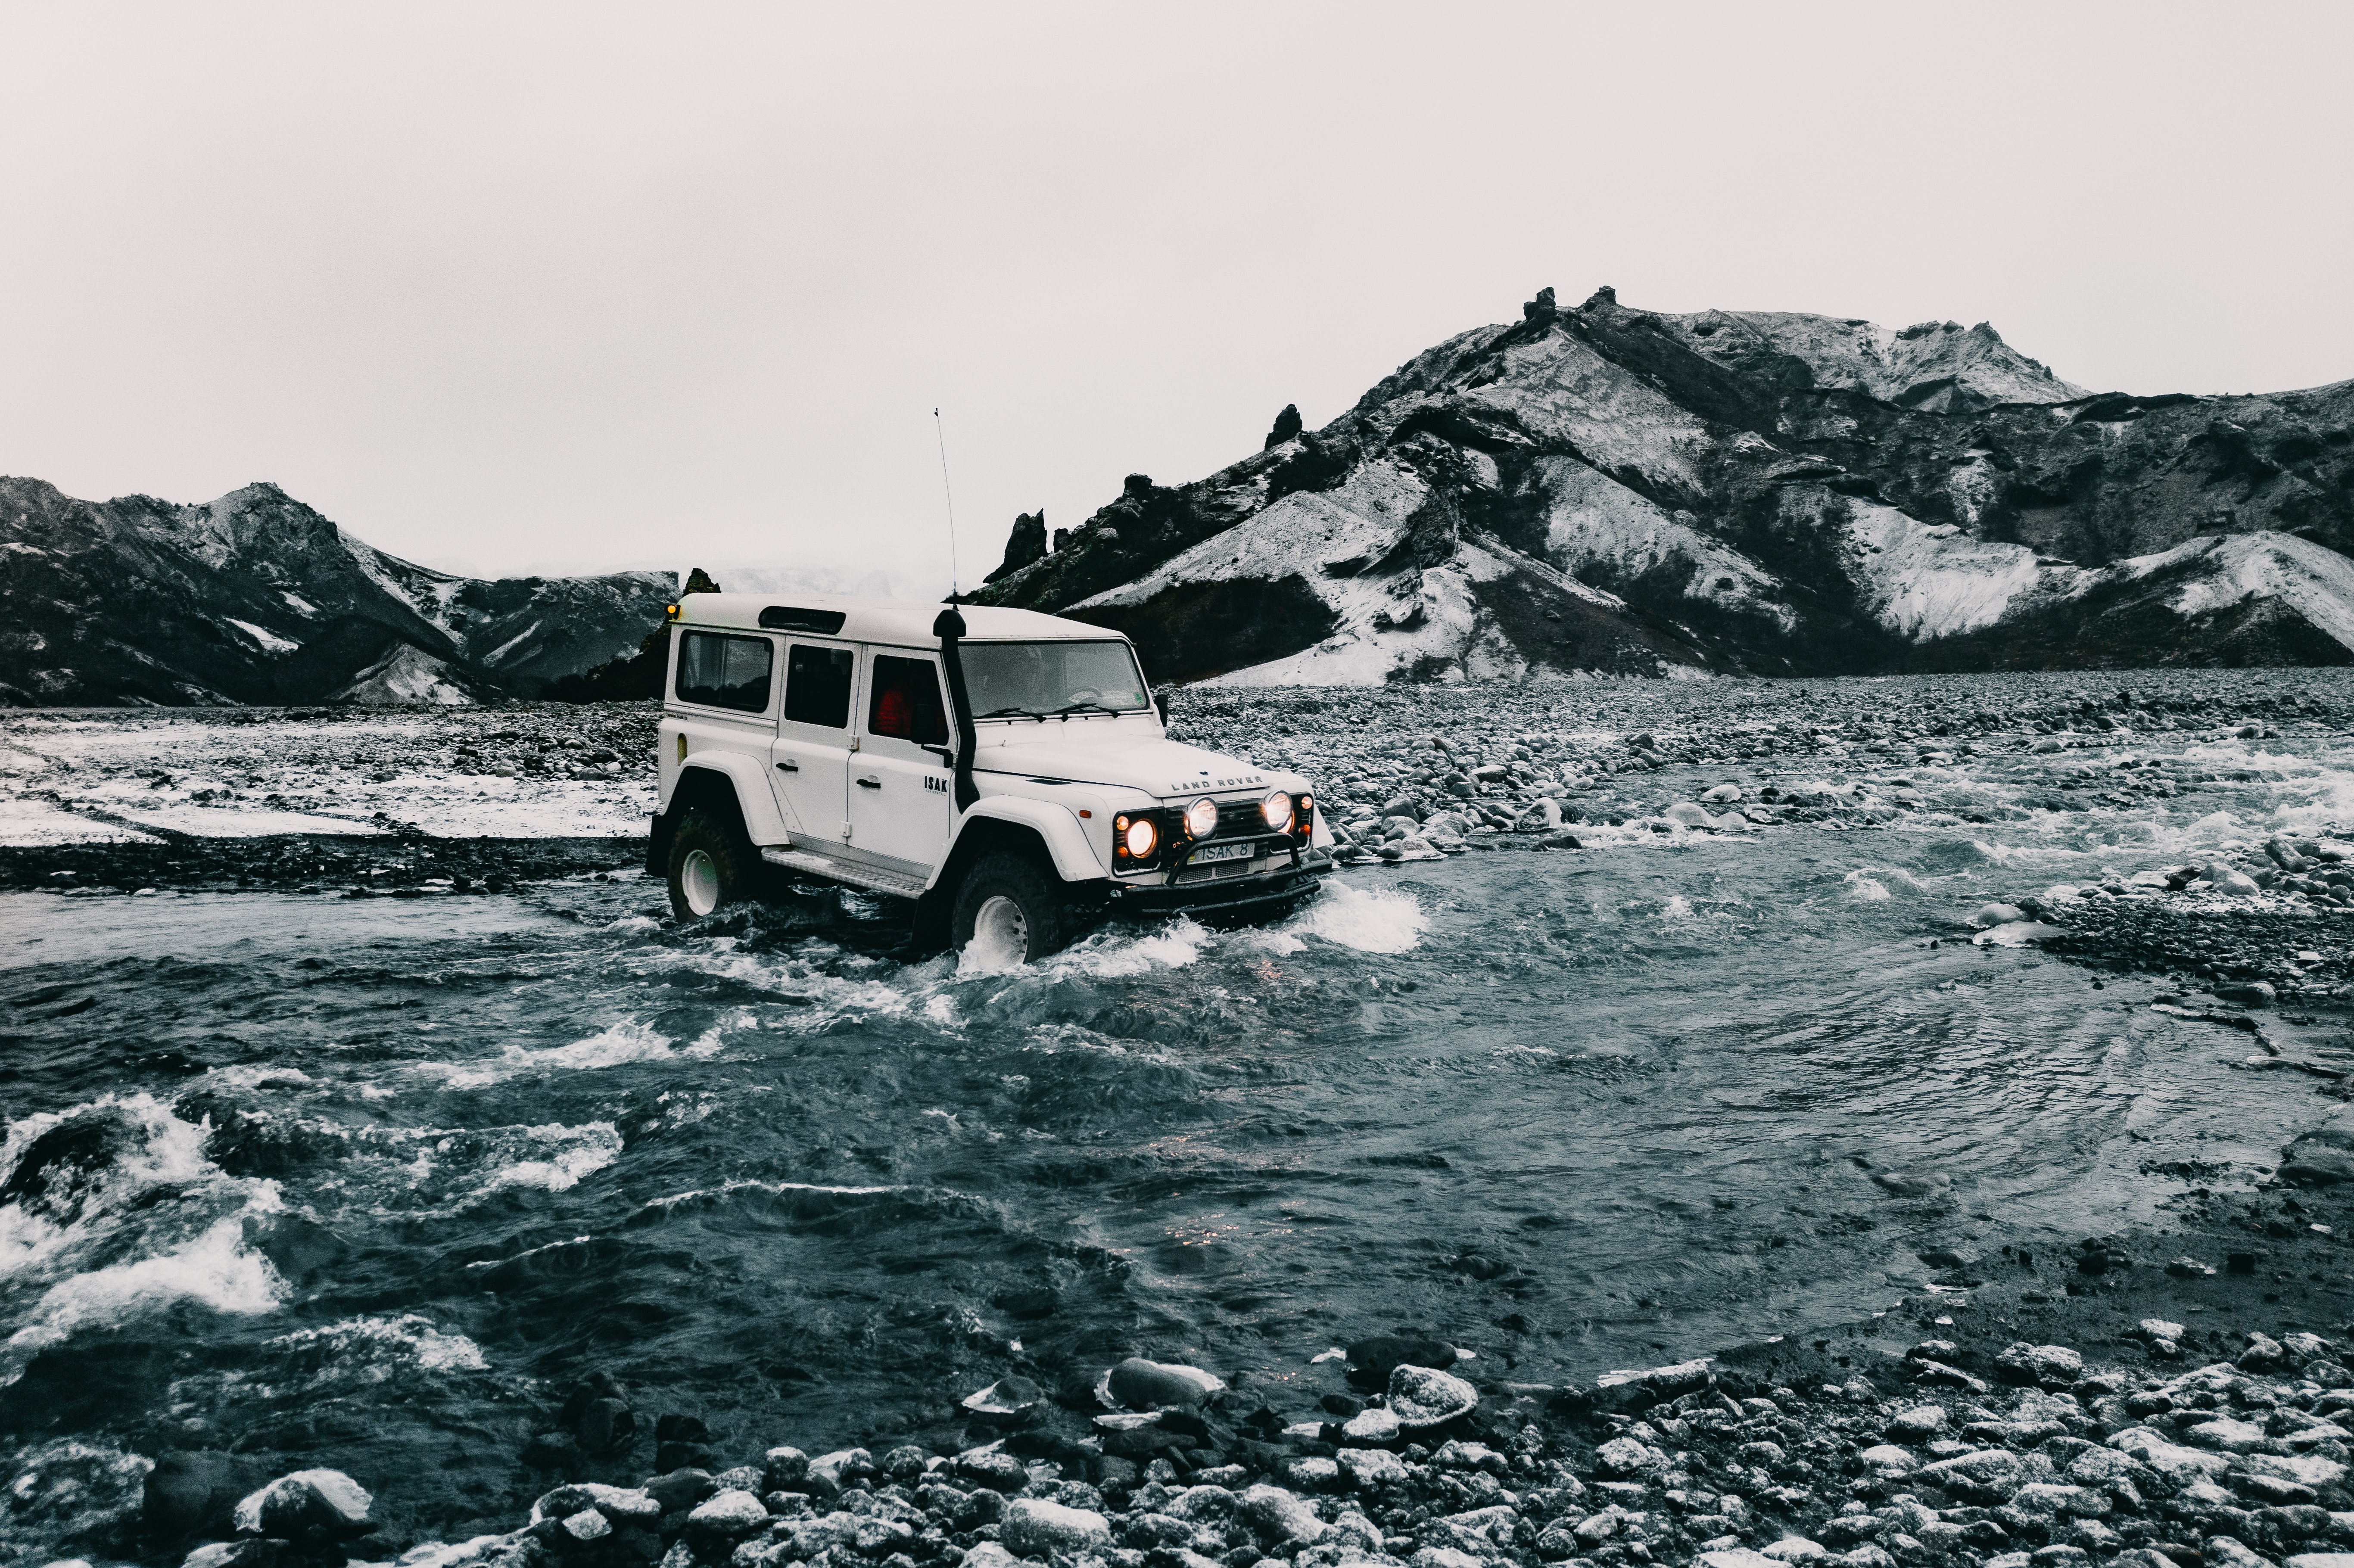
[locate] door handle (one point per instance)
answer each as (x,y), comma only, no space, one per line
(788,767)
(870,783)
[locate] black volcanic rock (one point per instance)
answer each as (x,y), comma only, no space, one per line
(256,597)
(1287,424)
(1026,544)
(1611,490)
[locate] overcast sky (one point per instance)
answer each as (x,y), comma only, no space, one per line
(523,287)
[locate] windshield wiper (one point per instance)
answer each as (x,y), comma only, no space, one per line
(1082,707)
(1013,713)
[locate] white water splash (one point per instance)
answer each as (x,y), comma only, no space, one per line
(1371,920)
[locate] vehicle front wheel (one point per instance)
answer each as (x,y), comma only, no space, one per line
(1009,910)
(711,865)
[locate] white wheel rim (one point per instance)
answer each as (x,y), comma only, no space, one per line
(1001,934)
(698,879)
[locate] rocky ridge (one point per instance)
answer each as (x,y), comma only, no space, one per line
(256,599)
(1609,490)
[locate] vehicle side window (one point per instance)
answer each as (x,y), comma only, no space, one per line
(817,685)
(906,702)
(724,672)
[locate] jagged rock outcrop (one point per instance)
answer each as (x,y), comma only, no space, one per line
(1026,544)
(1288,425)
(256,597)
(1600,488)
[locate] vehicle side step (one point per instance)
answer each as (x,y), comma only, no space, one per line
(826,866)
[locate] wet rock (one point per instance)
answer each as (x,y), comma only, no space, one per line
(195,1492)
(1372,1426)
(1382,1354)
(1034,1527)
(784,1468)
(2047,1366)
(1373,1470)
(680,1491)
(1279,1517)
(1140,1384)
(252,1552)
(2263,1354)
(1888,1461)
(629,1505)
(1008,1396)
(995,1469)
(597,1416)
(1422,1396)
(309,1508)
(2248,993)
(728,1515)
(1917,1424)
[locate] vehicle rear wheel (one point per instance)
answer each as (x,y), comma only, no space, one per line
(710,865)
(1009,910)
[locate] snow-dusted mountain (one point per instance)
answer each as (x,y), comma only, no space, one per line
(1608,488)
(256,597)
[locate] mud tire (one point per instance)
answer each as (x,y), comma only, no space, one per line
(1040,912)
(712,865)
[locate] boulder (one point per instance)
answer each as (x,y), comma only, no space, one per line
(311,1509)
(195,1491)
(1421,1396)
(1140,1384)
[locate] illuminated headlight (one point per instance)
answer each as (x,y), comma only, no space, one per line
(1202,818)
(1277,810)
(1141,838)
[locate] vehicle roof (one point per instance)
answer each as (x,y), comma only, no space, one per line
(906,622)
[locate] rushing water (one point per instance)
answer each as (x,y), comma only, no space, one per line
(365,1182)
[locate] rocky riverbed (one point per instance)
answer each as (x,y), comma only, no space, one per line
(2184,1445)
(405,1156)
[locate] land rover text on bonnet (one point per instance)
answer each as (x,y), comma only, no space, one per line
(1010,771)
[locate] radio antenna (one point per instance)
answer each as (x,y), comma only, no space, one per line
(940,430)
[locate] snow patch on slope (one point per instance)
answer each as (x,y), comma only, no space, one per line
(1592,521)
(1930,580)
(2312,579)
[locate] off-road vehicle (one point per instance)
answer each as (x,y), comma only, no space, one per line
(1009,771)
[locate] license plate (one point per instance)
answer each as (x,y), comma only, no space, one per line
(1222,851)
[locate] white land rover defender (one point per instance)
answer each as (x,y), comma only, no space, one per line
(1008,770)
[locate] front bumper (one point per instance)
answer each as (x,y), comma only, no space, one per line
(1273,893)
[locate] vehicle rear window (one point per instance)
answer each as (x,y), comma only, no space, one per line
(724,672)
(817,685)
(907,703)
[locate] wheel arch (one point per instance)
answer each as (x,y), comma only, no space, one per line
(729,786)
(1039,828)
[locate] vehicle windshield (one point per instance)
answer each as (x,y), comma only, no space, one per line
(1037,680)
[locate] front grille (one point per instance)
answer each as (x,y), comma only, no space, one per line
(1239,819)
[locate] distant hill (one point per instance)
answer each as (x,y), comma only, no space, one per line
(256,597)
(1607,489)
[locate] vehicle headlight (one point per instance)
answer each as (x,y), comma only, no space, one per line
(1202,818)
(1277,810)
(1141,838)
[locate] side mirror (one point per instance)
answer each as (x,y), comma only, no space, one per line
(1161,701)
(947,757)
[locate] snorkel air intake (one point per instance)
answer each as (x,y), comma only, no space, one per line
(949,628)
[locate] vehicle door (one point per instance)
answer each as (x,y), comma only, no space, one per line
(901,785)
(811,755)
(722,693)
